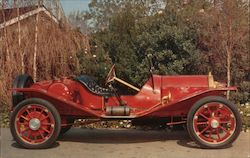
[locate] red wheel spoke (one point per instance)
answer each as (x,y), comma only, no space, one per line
(24,118)
(205,129)
(40,115)
(35,138)
(29,134)
(44,118)
(203,116)
(26,129)
(210,133)
(216,112)
(218,133)
(28,113)
(202,123)
(223,122)
(41,134)
(224,129)
(23,123)
(47,124)
(208,109)
(45,130)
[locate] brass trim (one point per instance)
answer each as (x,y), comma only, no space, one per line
(166,98)
(211,83)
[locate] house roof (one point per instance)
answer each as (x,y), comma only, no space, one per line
(12,12)
(11,16)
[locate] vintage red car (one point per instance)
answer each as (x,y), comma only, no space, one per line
(44,110)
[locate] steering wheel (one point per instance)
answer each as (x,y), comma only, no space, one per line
(111,75)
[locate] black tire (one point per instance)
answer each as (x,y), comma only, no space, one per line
(57,127)
(207,100)
(67,128)
(21,81)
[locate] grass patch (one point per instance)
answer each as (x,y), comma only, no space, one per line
(4,120)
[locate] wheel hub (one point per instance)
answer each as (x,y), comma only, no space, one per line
(34,124)
(214,123)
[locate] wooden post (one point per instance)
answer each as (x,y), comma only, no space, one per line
(17,2)
(36,43)
(5,33)
(59,16)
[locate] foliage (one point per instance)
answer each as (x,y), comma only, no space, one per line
(245,115)
(128,44)
(4,114)
(105,124)
(96,64)
(224,41)
(186,37)
(4,119)
(100,12)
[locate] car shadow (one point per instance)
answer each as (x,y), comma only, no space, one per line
(16,145)
(124,136)
(121,136)
(191,144)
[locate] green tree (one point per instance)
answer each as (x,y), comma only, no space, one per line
(132,34)
(96,64)
(186,37)
(224,39)
(101,12)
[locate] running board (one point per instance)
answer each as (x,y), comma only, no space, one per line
(118,117)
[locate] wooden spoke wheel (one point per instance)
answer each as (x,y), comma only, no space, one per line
(35,123)
(214,122)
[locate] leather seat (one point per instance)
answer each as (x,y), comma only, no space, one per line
(92,86)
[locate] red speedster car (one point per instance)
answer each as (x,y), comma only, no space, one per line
(44,110)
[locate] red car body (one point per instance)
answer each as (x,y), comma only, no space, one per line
(196,100)
(180,92)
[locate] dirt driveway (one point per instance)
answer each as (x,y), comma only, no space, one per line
(106,143)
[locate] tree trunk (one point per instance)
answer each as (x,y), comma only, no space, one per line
(228,70)
(229,56)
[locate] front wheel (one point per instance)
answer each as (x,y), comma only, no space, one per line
(214,122)
(35,123)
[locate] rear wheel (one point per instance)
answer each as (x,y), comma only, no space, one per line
(21,81)
(214,122)
(35,123)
